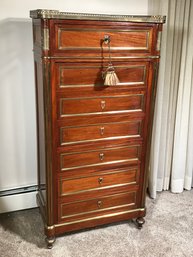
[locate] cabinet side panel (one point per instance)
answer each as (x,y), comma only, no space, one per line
(38,68)
(41,131)
(44,120)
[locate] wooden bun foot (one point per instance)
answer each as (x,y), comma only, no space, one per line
(50,241)
(139,222)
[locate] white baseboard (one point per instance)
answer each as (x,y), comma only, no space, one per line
(18,202)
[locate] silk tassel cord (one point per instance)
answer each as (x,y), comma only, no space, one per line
(110,76)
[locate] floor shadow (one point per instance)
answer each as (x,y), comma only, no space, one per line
(27,224)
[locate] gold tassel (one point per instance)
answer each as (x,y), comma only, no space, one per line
(110,77)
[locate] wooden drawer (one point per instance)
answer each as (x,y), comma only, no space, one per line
(69,135)
(99,105)
(67,210)
(80,41)
(99,157)
(90,74)
(76,185)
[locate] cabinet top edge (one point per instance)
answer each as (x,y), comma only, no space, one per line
(55,14)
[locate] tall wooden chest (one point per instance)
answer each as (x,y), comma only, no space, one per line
(93,139)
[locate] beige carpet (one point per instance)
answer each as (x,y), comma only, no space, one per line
(168,231)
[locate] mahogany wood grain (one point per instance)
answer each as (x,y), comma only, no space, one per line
(98,157)
(97,203)
(94,118)
(98,192)
(102,131)
(82,74)
(76,39)
(73,38)
(98,105)
(94,214)
(93,182)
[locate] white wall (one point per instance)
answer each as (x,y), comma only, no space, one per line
(20,8)
(17,94)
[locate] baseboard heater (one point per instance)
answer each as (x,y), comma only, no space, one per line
(18,199)
(20,190)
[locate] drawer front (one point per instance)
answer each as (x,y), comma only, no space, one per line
(76,38)
(99,132)
(68,75)
(73,186)
(99,157)
(97,204)
(100,105)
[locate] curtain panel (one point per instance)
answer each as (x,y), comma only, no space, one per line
(171,158)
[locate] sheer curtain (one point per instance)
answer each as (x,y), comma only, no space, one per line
(171,159)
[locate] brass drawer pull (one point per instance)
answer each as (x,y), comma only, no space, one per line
(100,180)
(99,203)
(103,104)
(102,131)
(101,156)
